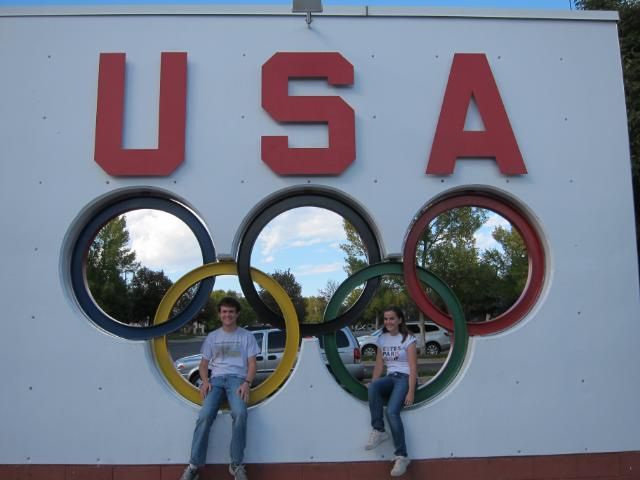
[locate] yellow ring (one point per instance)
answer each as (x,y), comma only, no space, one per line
(279,375)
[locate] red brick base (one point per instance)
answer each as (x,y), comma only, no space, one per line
(600,466)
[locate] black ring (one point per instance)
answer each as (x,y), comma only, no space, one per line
(304,199)
(79,256)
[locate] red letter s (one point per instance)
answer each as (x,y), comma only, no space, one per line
(332,110)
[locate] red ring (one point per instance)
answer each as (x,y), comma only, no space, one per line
(532,241)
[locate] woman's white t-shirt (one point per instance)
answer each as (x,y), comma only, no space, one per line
(394,351)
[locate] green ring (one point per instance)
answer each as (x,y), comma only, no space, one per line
(460,335)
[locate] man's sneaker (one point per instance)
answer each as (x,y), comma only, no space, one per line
(238,472)
(376,437)
(190,474)
(400,465)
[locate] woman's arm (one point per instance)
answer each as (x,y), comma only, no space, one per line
(377,369)
(412,358)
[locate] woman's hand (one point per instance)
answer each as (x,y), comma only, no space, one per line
(408,400)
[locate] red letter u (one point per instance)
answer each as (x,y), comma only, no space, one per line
(109,153)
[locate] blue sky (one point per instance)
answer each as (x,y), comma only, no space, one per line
(539,4)
(304,240)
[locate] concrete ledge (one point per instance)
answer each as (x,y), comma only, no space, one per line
(596,466)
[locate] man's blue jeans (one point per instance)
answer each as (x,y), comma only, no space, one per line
(221,387)
(394,386)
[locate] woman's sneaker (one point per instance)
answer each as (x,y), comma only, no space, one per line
(190,474)
(400,465)
(238,472)
(376,437)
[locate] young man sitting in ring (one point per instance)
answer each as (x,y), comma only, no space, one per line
(230,353)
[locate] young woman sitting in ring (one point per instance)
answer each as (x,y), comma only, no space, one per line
(397,351)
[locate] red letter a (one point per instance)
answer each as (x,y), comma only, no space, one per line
(471,76)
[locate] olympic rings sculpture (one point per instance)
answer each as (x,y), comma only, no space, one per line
(333,320)
(289,202)
(78,267)
(460,339)
(280,374)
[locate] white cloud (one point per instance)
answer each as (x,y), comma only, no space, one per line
(496,220)
(304,270)
(483,236)
(163,242)
(299,228)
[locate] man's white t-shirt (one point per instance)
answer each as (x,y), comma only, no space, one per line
(227,352)
(394,352)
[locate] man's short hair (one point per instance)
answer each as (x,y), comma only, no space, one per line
(229,302)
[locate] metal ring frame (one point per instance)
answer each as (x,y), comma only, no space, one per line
(279,375)
(333,321)
(306,200)
(460,337)
(532,241)
(79,256)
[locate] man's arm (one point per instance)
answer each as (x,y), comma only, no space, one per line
(243,391)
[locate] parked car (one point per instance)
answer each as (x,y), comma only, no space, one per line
(271,341)
(436,339)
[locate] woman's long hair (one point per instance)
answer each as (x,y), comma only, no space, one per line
(403,324)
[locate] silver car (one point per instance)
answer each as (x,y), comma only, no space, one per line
(436,339)
(271,342)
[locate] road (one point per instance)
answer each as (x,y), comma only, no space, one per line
(182,348)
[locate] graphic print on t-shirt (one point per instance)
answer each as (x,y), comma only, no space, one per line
(227,349)
(391,352)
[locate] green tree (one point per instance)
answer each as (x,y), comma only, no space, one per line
(448,249)
(512,264)
(629,34)
(356,259)
(109,261)
(146,291)
(486,284)
(354,248)
(287,280)
(315,306)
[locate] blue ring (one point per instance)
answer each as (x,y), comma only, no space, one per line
(79,256)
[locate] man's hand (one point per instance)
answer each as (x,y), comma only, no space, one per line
(205,388)
(243,392)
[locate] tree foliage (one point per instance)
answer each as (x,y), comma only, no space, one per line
(130,293)
(145,293)
(448,249)
(109,260)
(315,306)
(288,281)
(486,282)
(629,34)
